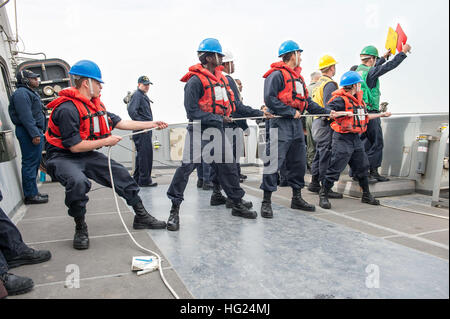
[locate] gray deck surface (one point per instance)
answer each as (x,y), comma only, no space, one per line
(324,254)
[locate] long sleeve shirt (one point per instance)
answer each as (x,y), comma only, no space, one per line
(193,92)
(382,67)
(242,110)
(26,110)
(288,127)
(67,118)
(139,107)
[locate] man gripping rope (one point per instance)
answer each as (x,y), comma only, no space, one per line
(206,100)
(285,94)
(78,125)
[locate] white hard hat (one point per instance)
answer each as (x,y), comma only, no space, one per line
(228,57)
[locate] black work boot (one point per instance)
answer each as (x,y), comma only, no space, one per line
(367,197)
(16,285)
(143,220)
(229,203)
(81,238)
(240,210)
(217,198)
(36,199)
(314,186)
(173,223)
(299,203)
(323,198)
(374,175)
(207,186)
(266,206)
(29,257)
(199,183)
(334,195)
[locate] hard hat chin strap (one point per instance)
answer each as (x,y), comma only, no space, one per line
(296,59)
(91,88)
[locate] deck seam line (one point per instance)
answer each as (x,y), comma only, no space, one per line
(71,239)
(65,216)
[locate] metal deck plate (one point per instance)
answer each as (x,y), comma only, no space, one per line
(294,255)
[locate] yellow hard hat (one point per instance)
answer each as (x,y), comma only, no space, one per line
(326,61)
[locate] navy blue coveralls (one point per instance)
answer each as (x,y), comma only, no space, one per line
(291,139)
(73,170)
(139,109)
(11,243)
(26,112)
(347,148)
(373,137)
(225,174)
(240,112)
(322,135)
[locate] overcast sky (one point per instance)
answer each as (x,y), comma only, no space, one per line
(160,38)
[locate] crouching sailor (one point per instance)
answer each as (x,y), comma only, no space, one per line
(78,125)
(347,147)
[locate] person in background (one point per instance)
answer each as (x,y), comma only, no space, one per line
(310,143)
(240,110)
(321,130)
(139,109)
(27,113)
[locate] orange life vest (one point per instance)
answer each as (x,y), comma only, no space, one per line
(294,93)
(94,121)
(217,96)
(351,124)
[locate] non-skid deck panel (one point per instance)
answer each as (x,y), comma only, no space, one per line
(294,255)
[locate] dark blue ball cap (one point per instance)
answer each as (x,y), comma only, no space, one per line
(26,74)
(144,80)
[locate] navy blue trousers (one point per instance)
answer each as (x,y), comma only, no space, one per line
(225,174)
(346,149)
(373,143)
(11,243)
(322,134)
(74,170)
(204,172)
(144,158)
(31,158)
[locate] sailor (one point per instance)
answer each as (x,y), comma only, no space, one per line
(321,130)
(14,253)
(285,95)
(240,111)
(139,109)
(78,125)
(371,69)
(206,100)
(26,112)
(310,143)
(347,147)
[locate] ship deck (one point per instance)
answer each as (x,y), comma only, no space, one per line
(351,251)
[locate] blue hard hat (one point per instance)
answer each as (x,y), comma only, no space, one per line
(350,78)
(88,69)
(210,45)
(288,46)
